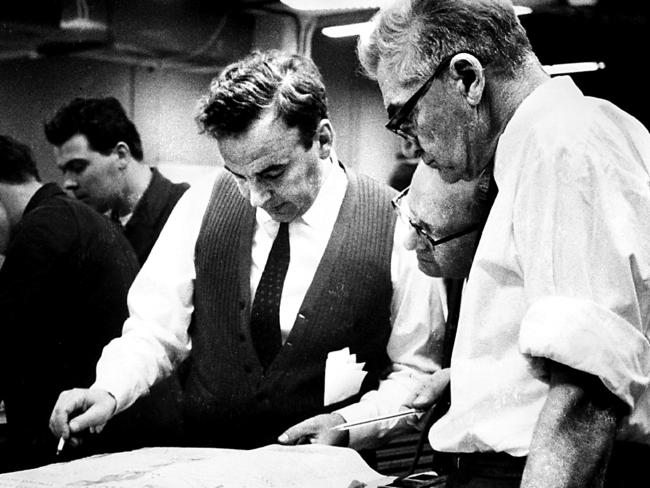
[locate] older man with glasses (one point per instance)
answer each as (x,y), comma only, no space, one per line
(550,370)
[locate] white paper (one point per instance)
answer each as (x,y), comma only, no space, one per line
(343,376)
(275,466)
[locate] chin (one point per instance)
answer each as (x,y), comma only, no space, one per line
(428,267)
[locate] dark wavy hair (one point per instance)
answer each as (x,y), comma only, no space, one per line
(288,83)
(16,162)
(102,120)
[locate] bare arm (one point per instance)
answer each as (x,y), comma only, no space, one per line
(575,432)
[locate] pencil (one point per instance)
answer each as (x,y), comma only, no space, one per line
(60,445)
(350,425)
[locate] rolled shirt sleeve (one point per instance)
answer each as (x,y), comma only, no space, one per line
(584,251)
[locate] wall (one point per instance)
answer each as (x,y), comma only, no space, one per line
(161,102)
(356,109)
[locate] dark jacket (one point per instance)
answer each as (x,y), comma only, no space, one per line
(151,213)
(63,290)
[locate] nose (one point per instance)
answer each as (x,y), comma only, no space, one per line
(413,241)
(69,183)
(258,194)
(416,149)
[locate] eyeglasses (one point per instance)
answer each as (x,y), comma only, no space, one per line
(402,212)
(399,121)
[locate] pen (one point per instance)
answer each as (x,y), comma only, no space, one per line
(350,425)
(60,445)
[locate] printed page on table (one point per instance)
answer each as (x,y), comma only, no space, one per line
(273,466)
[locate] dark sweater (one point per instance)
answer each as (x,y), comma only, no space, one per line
(230,401)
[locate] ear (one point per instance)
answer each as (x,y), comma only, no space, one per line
(324,138)
(467,71)
(123,154)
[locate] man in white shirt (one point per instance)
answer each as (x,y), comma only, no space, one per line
(551,364)
(349,284)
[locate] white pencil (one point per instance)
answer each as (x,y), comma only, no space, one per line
(350,425)
(60,445)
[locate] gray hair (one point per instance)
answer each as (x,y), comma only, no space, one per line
(412,36)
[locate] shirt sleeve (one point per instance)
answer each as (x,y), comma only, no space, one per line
(414,346)
(155,336)
(580,231)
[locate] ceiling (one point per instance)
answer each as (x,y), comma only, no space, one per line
(204,34)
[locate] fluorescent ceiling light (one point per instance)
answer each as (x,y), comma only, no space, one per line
(520,10)
(566,68)
(361,27)
(329,5)
(347,29)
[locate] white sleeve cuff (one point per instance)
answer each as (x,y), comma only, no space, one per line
(588,337)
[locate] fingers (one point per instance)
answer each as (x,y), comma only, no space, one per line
(316,430)
(93,418)
(299,433)
(430,390)
(79,409)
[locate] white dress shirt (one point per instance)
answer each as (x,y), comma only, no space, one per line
(562,272)
(155,337)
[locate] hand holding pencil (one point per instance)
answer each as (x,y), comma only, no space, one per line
(78,410)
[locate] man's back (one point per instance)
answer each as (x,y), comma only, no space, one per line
(63,293)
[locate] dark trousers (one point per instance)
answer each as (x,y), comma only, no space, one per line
(628,468)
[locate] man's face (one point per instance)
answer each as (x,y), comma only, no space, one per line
(92,177)
(442,209)
(273,169)
(448,129)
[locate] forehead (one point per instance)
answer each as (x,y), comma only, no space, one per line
(268,141)
(74,148)
(431,198)
(393,90)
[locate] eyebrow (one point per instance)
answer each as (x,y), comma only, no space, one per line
(268,169)
(74,162)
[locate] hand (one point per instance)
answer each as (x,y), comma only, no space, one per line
(426,395)
(80,409)
(317,430)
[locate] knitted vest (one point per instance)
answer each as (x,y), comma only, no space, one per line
(229,400)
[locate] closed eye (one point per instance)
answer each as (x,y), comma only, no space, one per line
(76,166)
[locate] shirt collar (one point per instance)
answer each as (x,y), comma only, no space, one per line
(558,91)
(325,209)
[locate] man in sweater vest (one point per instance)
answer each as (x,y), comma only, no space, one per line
(254,343)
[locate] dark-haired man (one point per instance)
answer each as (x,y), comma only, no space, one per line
(99,151)
(63,290)
(256,345)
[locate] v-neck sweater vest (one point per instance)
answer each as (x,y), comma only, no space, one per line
(229,400)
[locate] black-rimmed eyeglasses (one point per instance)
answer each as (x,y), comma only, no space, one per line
(400,122)
(401,208)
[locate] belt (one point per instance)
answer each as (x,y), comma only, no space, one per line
(486,465)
